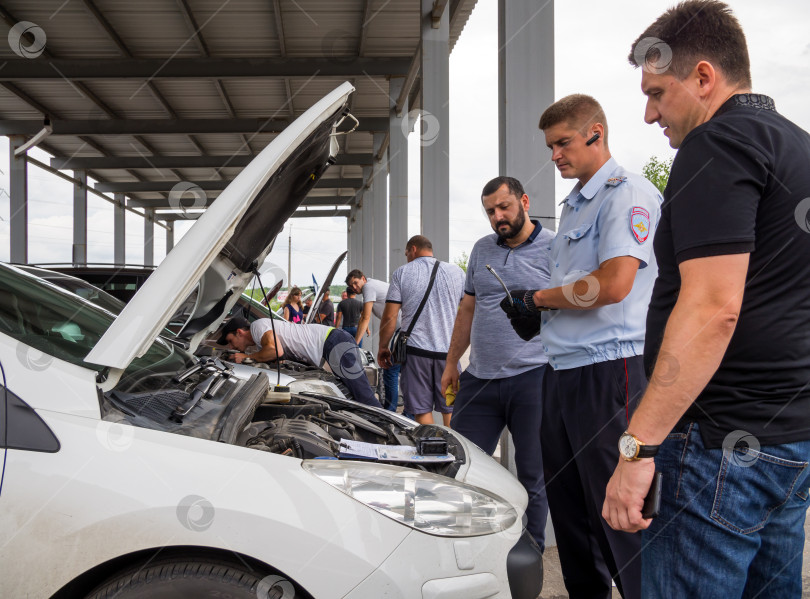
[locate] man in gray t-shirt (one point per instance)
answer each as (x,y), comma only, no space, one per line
(430,338)
(374,293)
(501,387)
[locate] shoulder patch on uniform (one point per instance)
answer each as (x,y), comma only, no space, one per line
(640,223)
(615,181)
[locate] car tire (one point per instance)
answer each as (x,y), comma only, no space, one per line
(174,579)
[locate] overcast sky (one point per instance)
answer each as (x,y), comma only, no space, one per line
(592,39)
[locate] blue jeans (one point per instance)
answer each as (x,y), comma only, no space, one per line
(391,382)
(353,332)
(731,522)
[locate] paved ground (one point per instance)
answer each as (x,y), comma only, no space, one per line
(553,587)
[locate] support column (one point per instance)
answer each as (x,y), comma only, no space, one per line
(149,237)
(379,190)
(435,134)
(357,238)
(525,89)
(80,218)
(119,230)
(397,177)
(367,255)
(18,202)
(169,237)
(352,226)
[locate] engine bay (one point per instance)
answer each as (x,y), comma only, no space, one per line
(207,400)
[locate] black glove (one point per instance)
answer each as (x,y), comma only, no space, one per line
(527,323)
(522,303)
(527,327)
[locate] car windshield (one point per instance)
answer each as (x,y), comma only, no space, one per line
(91,294)
(43,316)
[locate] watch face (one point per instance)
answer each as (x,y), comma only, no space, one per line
(627,446)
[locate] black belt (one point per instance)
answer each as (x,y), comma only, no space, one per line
(416,351)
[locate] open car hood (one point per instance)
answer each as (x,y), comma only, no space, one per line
(229,240)
(326,284)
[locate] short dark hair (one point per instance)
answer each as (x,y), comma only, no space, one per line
(692,31)
(354,274)
(579,111)
(514,186)
(350,292)
(234,324)
(420,242)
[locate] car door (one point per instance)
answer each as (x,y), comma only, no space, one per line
(2,430)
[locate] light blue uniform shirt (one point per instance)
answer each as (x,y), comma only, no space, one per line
(496,351)
(614,214)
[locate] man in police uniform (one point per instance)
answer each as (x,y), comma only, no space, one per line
(728,400)
(602,273)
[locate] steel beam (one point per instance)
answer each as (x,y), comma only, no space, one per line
(397,178)
(85,69)
(333,199)
(166,186)
(320,213)
(525,89)
(435,135)
(119,230)
(165,126)
(18,202)
(80,218)
(160,162)
(169,238)
(379,189)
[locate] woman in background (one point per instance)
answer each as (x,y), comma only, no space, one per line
(293,309)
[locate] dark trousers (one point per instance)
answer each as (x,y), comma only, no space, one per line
(481,410)
(585,411)
(343,356)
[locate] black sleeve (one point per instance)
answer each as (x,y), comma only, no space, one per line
(713,195)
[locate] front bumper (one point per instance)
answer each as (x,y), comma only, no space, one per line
(507,565)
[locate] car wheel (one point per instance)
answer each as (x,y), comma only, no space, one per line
(173,579)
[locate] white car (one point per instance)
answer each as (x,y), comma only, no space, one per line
(131,469)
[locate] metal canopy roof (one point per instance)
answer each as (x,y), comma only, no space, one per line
(147,94)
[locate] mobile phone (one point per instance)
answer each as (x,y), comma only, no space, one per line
(652,502)
(505,288)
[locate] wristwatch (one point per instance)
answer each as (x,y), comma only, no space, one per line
(631,449)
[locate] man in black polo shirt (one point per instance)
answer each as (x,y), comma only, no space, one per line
(728,333)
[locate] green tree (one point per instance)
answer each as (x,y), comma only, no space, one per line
(461,262)
(657,171)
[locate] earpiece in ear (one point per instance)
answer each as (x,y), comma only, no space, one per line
(596,136)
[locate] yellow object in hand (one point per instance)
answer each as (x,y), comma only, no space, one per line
(450,395)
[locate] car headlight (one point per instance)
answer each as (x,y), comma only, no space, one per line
(422,500)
